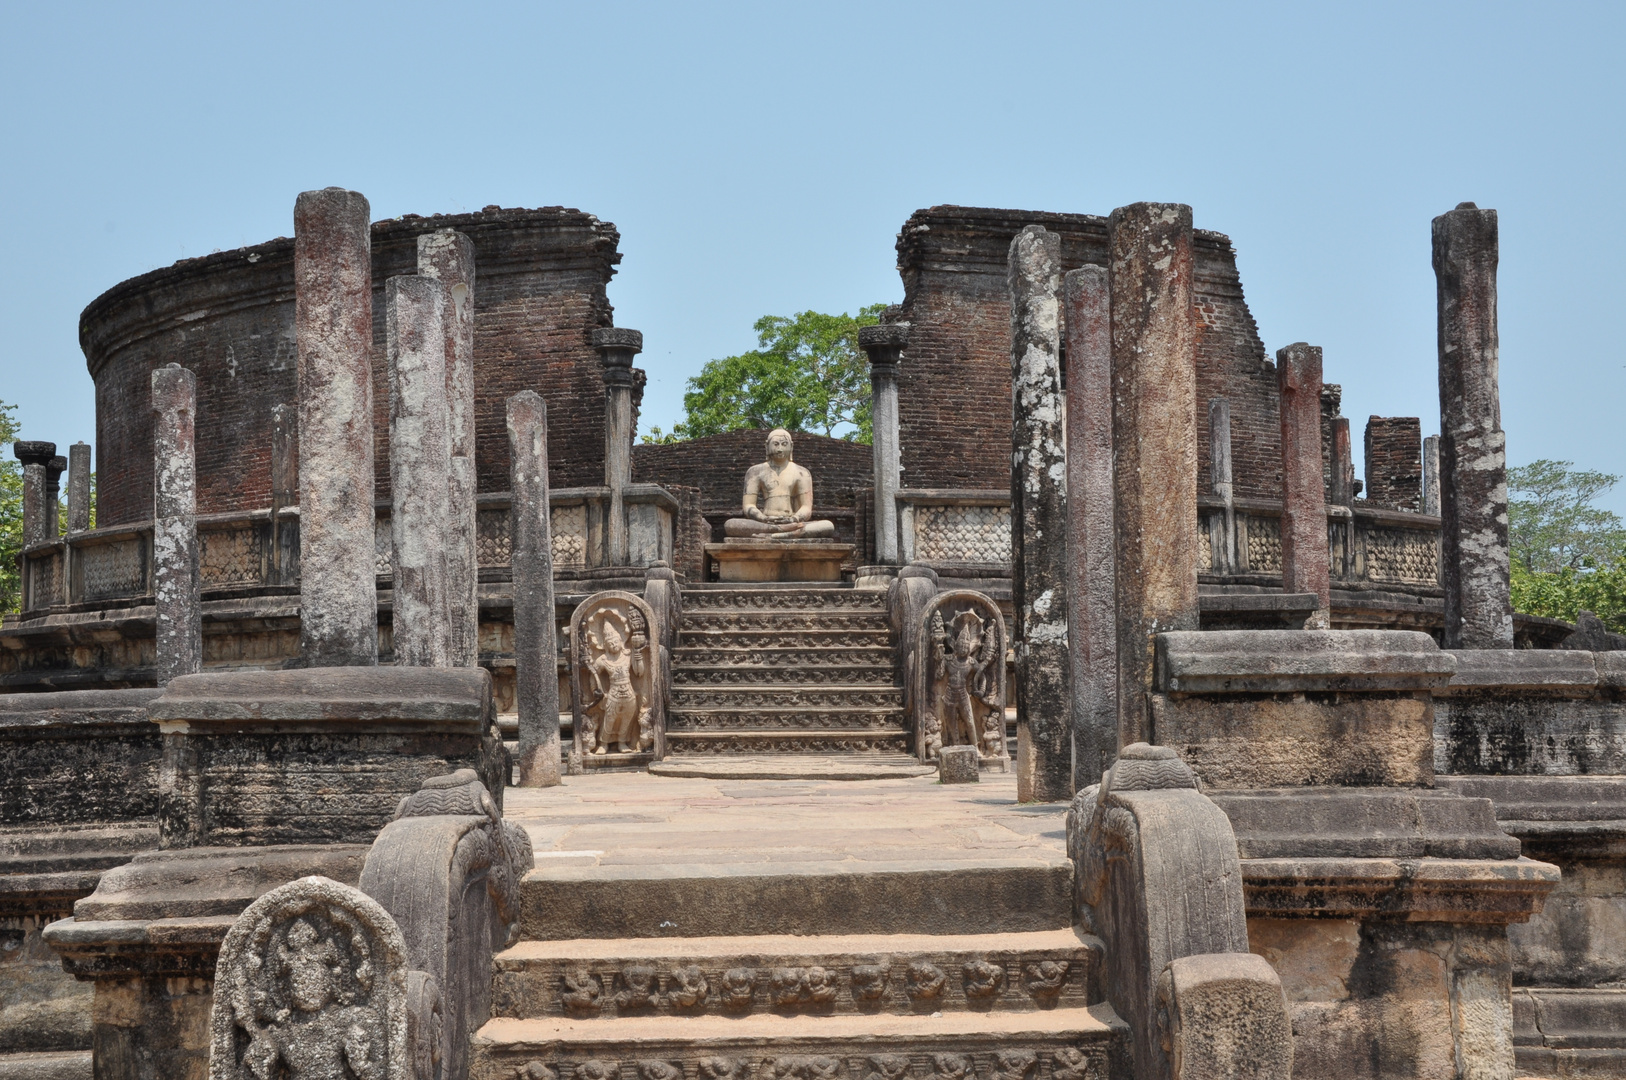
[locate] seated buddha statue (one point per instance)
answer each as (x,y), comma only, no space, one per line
(786,493)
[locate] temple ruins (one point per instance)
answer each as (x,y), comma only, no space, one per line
(400,717)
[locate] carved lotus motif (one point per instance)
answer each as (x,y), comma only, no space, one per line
(982,979)
(925,981)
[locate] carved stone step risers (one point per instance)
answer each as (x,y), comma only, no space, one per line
(784,620)
(729,675)
(703,599)
(773,697)
(782,638)
(820,976)
(782,659)
(788,720)
(786,742)
(1061,1044)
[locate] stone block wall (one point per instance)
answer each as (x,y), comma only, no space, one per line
(954,381)
(228,317)
(1394,462)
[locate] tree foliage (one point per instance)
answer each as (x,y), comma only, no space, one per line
(11,513)
(806,374)
(1568,556)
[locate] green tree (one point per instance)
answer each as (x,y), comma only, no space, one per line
(1552,524)
(11,513)
(807,374)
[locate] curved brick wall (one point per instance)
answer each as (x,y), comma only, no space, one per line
(716,465)
(539,292)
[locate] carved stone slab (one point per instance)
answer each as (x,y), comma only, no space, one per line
(957,675)
(312,984)
(615,685)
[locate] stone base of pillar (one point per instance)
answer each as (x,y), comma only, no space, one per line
(778,560)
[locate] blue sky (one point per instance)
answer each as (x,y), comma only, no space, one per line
(761,158)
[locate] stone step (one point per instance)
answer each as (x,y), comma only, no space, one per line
(680,741)
(784,620)
(778,597)
(818,976)
(723,674)
(47,1065)
(1056,1044)
(1569,1032)
(776,697)
(804,766)
(785,660)
(971,894)
(777,638)
(786,720)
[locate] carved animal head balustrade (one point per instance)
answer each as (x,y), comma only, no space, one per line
(1159,879)
(618,682)
(956,675)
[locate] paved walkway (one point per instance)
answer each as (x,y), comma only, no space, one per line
(635,819)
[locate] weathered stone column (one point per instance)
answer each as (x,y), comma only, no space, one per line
(1341,470)
(179,645)
(1044,721)
(1304,498)
(1473,449)
(618,346)
(284,489)
(1431,475)
(448,257)
(1222,533)
(884,347)
(1091,636)
(420,469)
(35,457)
(536,642)
(1154,431)
(53,495)
(333,321)
(78,487)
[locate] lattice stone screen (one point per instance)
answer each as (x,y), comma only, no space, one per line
(231,556)
(112,570)
(963,534)
(1405,555)
(1264,545)
(568,525)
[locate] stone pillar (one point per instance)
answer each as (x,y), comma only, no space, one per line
(179,644)
(1154,432)
(420,469)
(333,321)
(618,346)
(1473,449)
(36,457)
(448,257)
(1222,538)
(1341,469)
(1304,500)
(1091,638)
(1044,752)
(1431,475)
(78,487)
(284,490)
(884,346)
(536,641)
(53,496)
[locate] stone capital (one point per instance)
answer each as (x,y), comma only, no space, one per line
(34,452)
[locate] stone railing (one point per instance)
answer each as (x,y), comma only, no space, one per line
(247,552)
(1370,547)
(955,527)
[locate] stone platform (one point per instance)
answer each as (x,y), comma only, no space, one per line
(778,560)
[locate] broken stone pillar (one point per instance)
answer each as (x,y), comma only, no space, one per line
(53,492)
(179,645)
(1341,471)
(1431,475)
(448,257)
(285,491)
(1039,572)
(1473,449)
(420,469)
(884,346)
(333,322)
(1222,530)
(35,456)
(78,487)
(1091,636)
(1304,499)
(536,642)
(1154,431)
(618,346)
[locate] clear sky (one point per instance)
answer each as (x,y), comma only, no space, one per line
(760,159)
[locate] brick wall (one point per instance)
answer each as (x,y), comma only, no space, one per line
(954,382)
(1394,462)
(539,292)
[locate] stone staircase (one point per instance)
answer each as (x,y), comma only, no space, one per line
(804,987)
(784,669)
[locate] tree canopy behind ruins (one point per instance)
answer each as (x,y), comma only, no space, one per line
(807,374)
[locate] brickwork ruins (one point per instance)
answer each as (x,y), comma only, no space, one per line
(1394,462)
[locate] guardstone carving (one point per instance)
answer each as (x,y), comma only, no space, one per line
(957,675)
(312,984)
(615,673)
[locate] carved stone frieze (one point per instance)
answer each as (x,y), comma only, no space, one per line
(1063,1061)
(716,673)
(615,678)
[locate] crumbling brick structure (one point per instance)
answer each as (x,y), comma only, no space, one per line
(1394,462)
